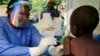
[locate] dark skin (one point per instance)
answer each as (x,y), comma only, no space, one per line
(51,5)
(23,17)
(77,31)
(82,23)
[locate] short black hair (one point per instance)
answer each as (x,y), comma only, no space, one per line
(85,17)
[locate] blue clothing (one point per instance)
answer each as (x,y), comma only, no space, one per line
(53,12)
(16,42)
(97,38)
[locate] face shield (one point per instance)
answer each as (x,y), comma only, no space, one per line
(20,14)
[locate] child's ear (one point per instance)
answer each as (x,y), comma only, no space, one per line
(75,29)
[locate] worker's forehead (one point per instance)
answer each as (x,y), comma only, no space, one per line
(51,1)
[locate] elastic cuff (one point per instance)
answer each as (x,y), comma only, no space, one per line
(34,51)
(51,50)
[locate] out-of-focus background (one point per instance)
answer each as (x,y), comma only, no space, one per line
(68,5)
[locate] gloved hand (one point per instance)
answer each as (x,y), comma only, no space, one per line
(44,43)
(59,50)
(56,51)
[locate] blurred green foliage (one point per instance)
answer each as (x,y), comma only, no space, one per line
(4,2)
(38,5)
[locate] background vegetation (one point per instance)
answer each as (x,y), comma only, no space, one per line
(37,5)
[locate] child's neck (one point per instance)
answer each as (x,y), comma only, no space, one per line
(90,35)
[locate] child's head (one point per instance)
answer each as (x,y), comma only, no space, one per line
(84,20)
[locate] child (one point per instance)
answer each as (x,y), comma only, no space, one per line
(83,21)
